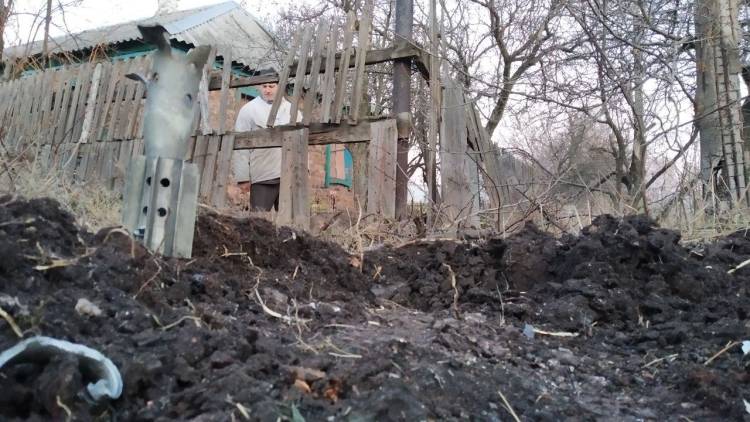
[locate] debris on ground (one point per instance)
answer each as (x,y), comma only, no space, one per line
(266,323)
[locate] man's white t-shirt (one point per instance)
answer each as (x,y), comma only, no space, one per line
(258,165)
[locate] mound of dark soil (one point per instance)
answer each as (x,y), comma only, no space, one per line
(263,323)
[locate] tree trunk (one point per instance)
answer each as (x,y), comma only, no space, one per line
(637,171)
(718,109)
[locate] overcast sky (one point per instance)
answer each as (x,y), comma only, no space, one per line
(95,13)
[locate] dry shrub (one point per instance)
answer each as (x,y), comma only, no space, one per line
(93,205)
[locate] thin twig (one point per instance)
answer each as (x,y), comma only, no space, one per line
(742,264)
(183,318)
(555,333)
(67,410)
(508,407)
(455,289)
(153,277)
(275,314)
(721,352)
(16,329)
(345,355)
(655,361)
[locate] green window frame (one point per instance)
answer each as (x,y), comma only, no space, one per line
(348,169)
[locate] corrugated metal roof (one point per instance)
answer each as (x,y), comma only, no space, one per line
(219,24)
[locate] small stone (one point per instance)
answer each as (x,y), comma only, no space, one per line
(566,357)
(220,359)
(85,307)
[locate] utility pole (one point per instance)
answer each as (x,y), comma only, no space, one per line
(402,100)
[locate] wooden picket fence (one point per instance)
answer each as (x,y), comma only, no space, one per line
(85,121)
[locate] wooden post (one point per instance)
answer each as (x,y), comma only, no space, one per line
(434,111)
(359,171)
(294,196)
(456,193)
(381,180)
(226,76)
(223,164)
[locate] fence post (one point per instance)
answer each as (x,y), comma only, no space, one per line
(381,180)
(294,195)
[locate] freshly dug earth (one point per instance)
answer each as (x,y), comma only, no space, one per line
(620,323)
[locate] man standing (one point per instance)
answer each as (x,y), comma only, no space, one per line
(264,172)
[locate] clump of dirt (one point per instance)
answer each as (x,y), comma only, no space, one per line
(267,323)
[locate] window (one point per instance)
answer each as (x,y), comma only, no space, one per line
(339,165)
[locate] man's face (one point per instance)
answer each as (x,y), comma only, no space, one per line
(268,91)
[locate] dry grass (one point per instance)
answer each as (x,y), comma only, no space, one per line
(94,206)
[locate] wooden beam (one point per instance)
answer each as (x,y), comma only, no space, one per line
(399,51)
(319,134)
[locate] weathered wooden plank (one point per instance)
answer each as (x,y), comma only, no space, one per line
(314,79)
(118,98)
(57,99)
(97,174)
(128,99)
(81,166)
(125,155)
(45,110)
(106,116)
(93,163)
(90,109)
(223,166)
(294,197)
(363,43)
(28,111)
(78,117)
(138,102)
(328,85)
(43,157)
(319,134)
(23,111)
(41,98)
(338,101)
(456,193)
(381,174)
(299,80)
(101,96)
(83,75)
(8,93)
(109,165)
(64,110)
(359,171)
(203,116)
(10,116)
(69,161)
(226,77)
(283,79)
(199,155)
(209,166)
